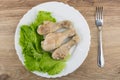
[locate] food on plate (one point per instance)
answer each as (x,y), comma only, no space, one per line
(54,40)
(35,58)
(48,26)
(62,51)
(41,44)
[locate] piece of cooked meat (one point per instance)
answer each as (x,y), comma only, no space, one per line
(54,40)
(63,51)
(65,24)
(49,26)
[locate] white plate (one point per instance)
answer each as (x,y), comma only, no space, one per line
(60,11)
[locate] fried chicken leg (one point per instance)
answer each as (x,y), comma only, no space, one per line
(54,40)
(49,27)
(62,51)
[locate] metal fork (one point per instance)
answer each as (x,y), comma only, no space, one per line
(99,23)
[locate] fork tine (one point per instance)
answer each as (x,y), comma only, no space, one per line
(102,13)
(97,13)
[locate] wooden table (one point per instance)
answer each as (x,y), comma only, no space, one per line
(11,11)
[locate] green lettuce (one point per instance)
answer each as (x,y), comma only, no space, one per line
(35,58)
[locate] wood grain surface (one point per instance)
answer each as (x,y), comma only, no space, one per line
(11,11)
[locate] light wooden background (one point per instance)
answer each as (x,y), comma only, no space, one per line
(11,11)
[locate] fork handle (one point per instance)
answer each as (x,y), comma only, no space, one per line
(100,50)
